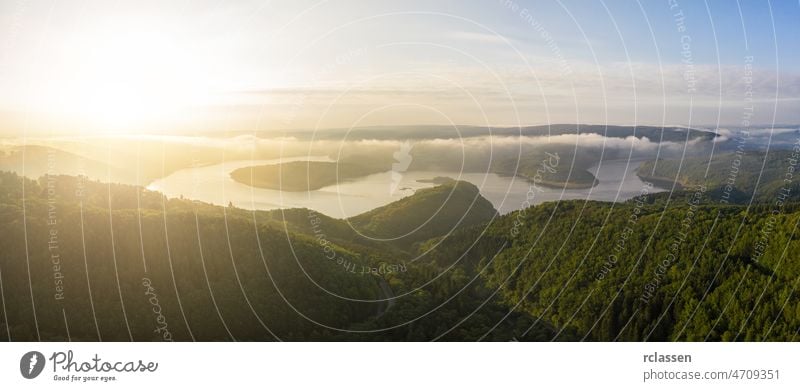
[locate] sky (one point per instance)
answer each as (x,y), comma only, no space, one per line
(196,66)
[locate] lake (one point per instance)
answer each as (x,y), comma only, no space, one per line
(213,184)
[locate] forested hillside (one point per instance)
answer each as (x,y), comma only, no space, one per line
(734,177)
(636,272)
(429,213)
(84,260)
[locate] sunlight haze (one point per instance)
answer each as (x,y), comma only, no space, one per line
(181,67)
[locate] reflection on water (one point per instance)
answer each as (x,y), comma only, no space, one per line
(213,184)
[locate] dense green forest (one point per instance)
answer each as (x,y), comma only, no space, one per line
(117,262)
(85,260)
(735,177)
(638,271)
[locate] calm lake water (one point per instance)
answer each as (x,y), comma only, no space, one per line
(213,184)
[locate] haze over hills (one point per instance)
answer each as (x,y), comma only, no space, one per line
(35,160)
(427,132)
(505,151)
(439,264)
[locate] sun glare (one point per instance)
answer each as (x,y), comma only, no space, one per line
(125,83)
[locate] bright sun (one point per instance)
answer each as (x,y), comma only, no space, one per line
(124,83)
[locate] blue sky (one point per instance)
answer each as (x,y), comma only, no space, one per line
(192,66)
(648,29)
